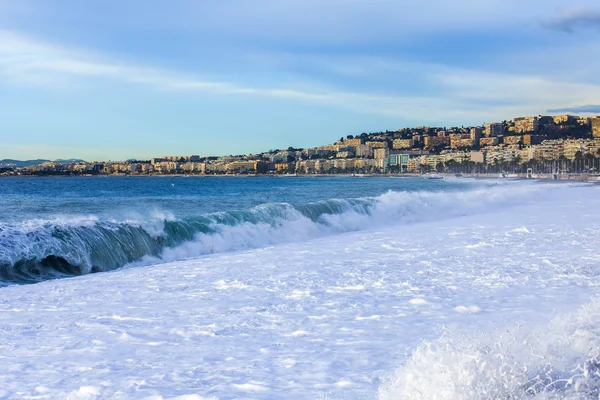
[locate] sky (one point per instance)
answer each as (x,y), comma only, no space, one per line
(114,80)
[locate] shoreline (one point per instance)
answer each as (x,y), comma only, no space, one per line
(545,176)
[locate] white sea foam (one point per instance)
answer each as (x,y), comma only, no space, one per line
(331,317)
(558,361)
(389,209)
(467,309)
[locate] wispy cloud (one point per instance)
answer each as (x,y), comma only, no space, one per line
(586,109)
(26,60)
(460,93)
(572,20)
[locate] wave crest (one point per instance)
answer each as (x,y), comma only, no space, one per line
(36,250)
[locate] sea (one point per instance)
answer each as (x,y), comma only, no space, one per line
(354,287)
(57,227)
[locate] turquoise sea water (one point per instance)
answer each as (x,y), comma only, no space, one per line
(56,227)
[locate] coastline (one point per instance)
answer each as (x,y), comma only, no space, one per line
(591,178)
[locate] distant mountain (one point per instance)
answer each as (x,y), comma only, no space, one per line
(18,163)
(68,160)
(28,163)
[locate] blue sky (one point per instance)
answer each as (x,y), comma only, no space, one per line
(107,79)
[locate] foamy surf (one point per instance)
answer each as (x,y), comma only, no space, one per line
(32,251)
(560,360)
(333,317)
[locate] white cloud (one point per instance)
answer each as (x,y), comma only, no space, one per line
(26,60)
(462,95)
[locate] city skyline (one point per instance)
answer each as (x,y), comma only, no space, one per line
(568,142)
(114,81)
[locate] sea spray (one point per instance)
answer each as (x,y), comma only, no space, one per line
(560,360)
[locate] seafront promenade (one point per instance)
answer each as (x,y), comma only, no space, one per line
(544,176)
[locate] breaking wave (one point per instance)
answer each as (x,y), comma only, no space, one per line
(557,361)
(37,250)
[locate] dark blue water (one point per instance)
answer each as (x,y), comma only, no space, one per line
(64,226)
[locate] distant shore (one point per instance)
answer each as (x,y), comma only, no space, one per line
(545,176)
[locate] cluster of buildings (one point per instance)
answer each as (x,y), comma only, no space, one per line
(520,141)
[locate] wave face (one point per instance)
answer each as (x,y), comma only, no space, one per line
(557,361)
(37,250)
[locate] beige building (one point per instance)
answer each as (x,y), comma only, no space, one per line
(424,163)
(351,142)
(594,147)
(347,164)
(526,154)
(306,167)
(216,168)
(477,156)
(344,154)
(458,156)
(549,150)
(329,147)
(433,141)
(288,167)
(324,166)
(494,129)
(488,141)
(513,139)
(364,163)
(193,167)
(402,144)
(147,168)
(429,162)
(572,147)
(526,124)
(241,167)
(377,144)
(475,133)
(461,142)
(564,119)
(363,151)
(502,154)
(166,167)
(596,126)
(529,140)
(382,153)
